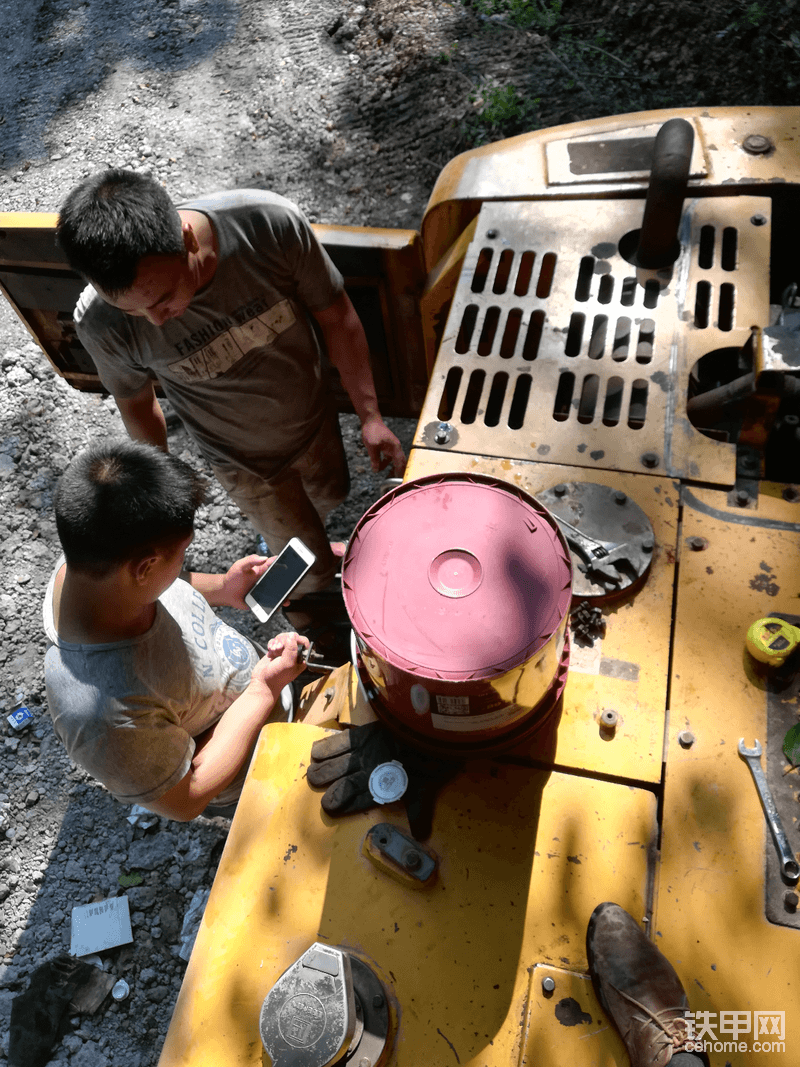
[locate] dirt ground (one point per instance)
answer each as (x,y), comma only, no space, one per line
(350,110)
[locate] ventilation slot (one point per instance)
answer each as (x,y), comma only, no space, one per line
(628,292)
(566,387)
(622,339)
(519,402)
(482,270)
(644,349)
(606,289)
(497,395)
(730,245)
(588,401)
(488,332)
(575,333)
(637,411)
(523,282)
(503,271)
(702,303)
(465,330)
(585,274)
(511,333)
(447,403)
(597,342)
(651,292)
(533,337)
(548,271)
(470,409)
(612,409)
(726,306)
(705,253)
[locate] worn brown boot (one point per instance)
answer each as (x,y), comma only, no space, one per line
(637,987)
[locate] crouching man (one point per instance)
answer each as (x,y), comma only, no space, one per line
(148,690)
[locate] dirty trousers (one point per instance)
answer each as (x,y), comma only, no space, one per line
(297,501)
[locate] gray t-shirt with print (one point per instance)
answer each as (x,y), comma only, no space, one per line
(127,712)
(242,365)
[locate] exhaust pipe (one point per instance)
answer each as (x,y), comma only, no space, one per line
(672,155)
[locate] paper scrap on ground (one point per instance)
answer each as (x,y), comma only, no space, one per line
(103,924)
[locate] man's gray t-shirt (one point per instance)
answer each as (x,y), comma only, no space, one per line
(127,712)
(241,366)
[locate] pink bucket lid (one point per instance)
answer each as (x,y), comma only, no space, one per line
(456,577)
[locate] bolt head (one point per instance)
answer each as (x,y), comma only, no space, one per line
(758,220)
(742,498)
(791,494)
(756,144)
(559,489)
(649,459)
(648,544)
(686,738)
(620,497)
(377,1001)
(548,985)
(609,718)
(412,860)
(491,234)
(790,900)
(697,544)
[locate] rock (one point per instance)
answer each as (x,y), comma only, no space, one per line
(152,851)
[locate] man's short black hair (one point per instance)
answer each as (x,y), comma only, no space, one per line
(121,500)
(111,221)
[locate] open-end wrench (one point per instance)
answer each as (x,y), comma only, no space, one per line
(790,868)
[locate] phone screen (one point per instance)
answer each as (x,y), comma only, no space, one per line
(271,590)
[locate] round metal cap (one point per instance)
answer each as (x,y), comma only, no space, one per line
(120,990)
(388,782)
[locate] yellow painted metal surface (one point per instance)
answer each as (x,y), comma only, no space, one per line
(710,905)
(558,348)
(627,670)
(522,868)
(532,165)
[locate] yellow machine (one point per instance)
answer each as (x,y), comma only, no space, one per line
(546,342)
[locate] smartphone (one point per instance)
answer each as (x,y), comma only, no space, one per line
(274,587)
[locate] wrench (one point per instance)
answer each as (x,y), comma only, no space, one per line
(790,868)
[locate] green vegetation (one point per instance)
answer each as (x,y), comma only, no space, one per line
(541,14)
(500,111)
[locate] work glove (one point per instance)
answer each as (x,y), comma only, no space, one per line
(341,764)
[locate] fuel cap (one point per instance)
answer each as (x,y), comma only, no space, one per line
(388,782)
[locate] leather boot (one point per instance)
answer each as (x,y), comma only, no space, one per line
(637,987)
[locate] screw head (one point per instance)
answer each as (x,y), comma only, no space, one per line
(365,1061)
(559,489)
(686,738)
(742,498)
(443,431)
(412,860)
(758,220)
(377,1001)
(790,900)
(756,144)
(548,985)
(491,234)
(649,459)
(620,497)
(648,544)
(609,718)
(697,544)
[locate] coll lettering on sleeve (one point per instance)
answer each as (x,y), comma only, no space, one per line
(199,620)
(250,329)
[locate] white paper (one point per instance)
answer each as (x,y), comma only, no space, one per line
(104,924)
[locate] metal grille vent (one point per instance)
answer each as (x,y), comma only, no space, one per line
(556,346)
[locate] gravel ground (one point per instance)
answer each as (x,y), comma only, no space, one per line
(350,110)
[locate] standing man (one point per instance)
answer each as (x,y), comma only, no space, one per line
(218,301)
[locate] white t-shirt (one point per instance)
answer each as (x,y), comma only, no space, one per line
(127,712)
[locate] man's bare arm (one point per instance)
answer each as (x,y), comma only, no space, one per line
(144,420)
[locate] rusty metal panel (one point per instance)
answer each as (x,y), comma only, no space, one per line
(557,349)
(710,907)
(521,869)
(627,669)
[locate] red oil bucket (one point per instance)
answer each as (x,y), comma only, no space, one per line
(458,588)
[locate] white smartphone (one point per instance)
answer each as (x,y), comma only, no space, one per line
(274,587)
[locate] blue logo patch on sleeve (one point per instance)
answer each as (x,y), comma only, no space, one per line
(237,651)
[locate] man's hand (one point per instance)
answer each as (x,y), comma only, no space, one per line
(240,579)
(282,663)
(382,446)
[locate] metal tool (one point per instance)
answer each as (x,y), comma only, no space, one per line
(597,555)
(790,868)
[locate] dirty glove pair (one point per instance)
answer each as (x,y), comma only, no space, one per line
(342,763)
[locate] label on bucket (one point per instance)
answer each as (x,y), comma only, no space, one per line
(452,705)
(466,723)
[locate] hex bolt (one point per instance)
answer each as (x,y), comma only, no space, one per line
(491,234)
(620,497)
(377,1001)
(648,544)
(756,144)
(791,494)
(649,459)
(548,985)
(758,220)
(742,498)
(609,718)
(365,1061)
(443,431)
(697,544)
(412,860)
(559,489)
(686,738)
(790,900)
